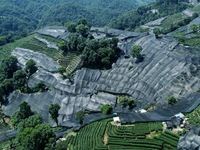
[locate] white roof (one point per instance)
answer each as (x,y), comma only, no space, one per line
(116,119)
(142,111)
(179,115)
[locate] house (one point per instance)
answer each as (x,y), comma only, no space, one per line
(142,111)
(176,121)
(180,115)
(116,120)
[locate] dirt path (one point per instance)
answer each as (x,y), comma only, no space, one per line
(105,139)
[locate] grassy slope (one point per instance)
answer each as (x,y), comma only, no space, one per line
(29,42)
(173,18)
(8,48)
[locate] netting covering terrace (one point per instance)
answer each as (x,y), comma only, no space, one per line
(168,69)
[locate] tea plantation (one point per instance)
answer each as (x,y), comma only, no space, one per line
(102,135)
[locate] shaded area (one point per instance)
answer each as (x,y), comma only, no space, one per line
(168,69)
(188,104)
(190,140)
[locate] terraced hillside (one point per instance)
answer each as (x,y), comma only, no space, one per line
(102,135)
(169,69)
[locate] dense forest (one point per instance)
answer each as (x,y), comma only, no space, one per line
(146,13)
(22,17)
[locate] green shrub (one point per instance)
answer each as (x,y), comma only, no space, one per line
(126,101)
(61,70)
(135,50)
(106,109)
(80,116)
(172,100)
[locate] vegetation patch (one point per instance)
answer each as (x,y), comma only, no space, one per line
(194,117)
(126,101)
(175,18)
(106,109)
(89,137)
(135,137)
(172,100)
(144,14)
(6,50)
(102,135)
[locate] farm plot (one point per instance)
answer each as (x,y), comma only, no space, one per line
(102,135)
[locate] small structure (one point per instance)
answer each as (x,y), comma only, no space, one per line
(142,111)
(180,115)
(116,120)
(176,121)
(115,114)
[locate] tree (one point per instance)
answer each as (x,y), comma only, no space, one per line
(30,67)
(19,79)
(31,121)
(39,138)
(82,29)
(106,109)
(72,45)
(135,51)
(2,76)
(100,54)
(63,46)
(41,87)
(80,116)
(172,100)
(23,113)
(25,110)
(156,31)
(194,28)
(9,66)
(7,86)
(71,26)
(1,95)
(3,40)
(126,101)
(53,110)
(62,70)
(2,116)
(83,21)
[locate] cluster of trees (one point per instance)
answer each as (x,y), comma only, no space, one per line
(144,14)
(32,133)
(6,39)
(100,54)
(126,101)
(95,53)
(25,117)
(7,70)
(77,38)
(22,116)
(13,78)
